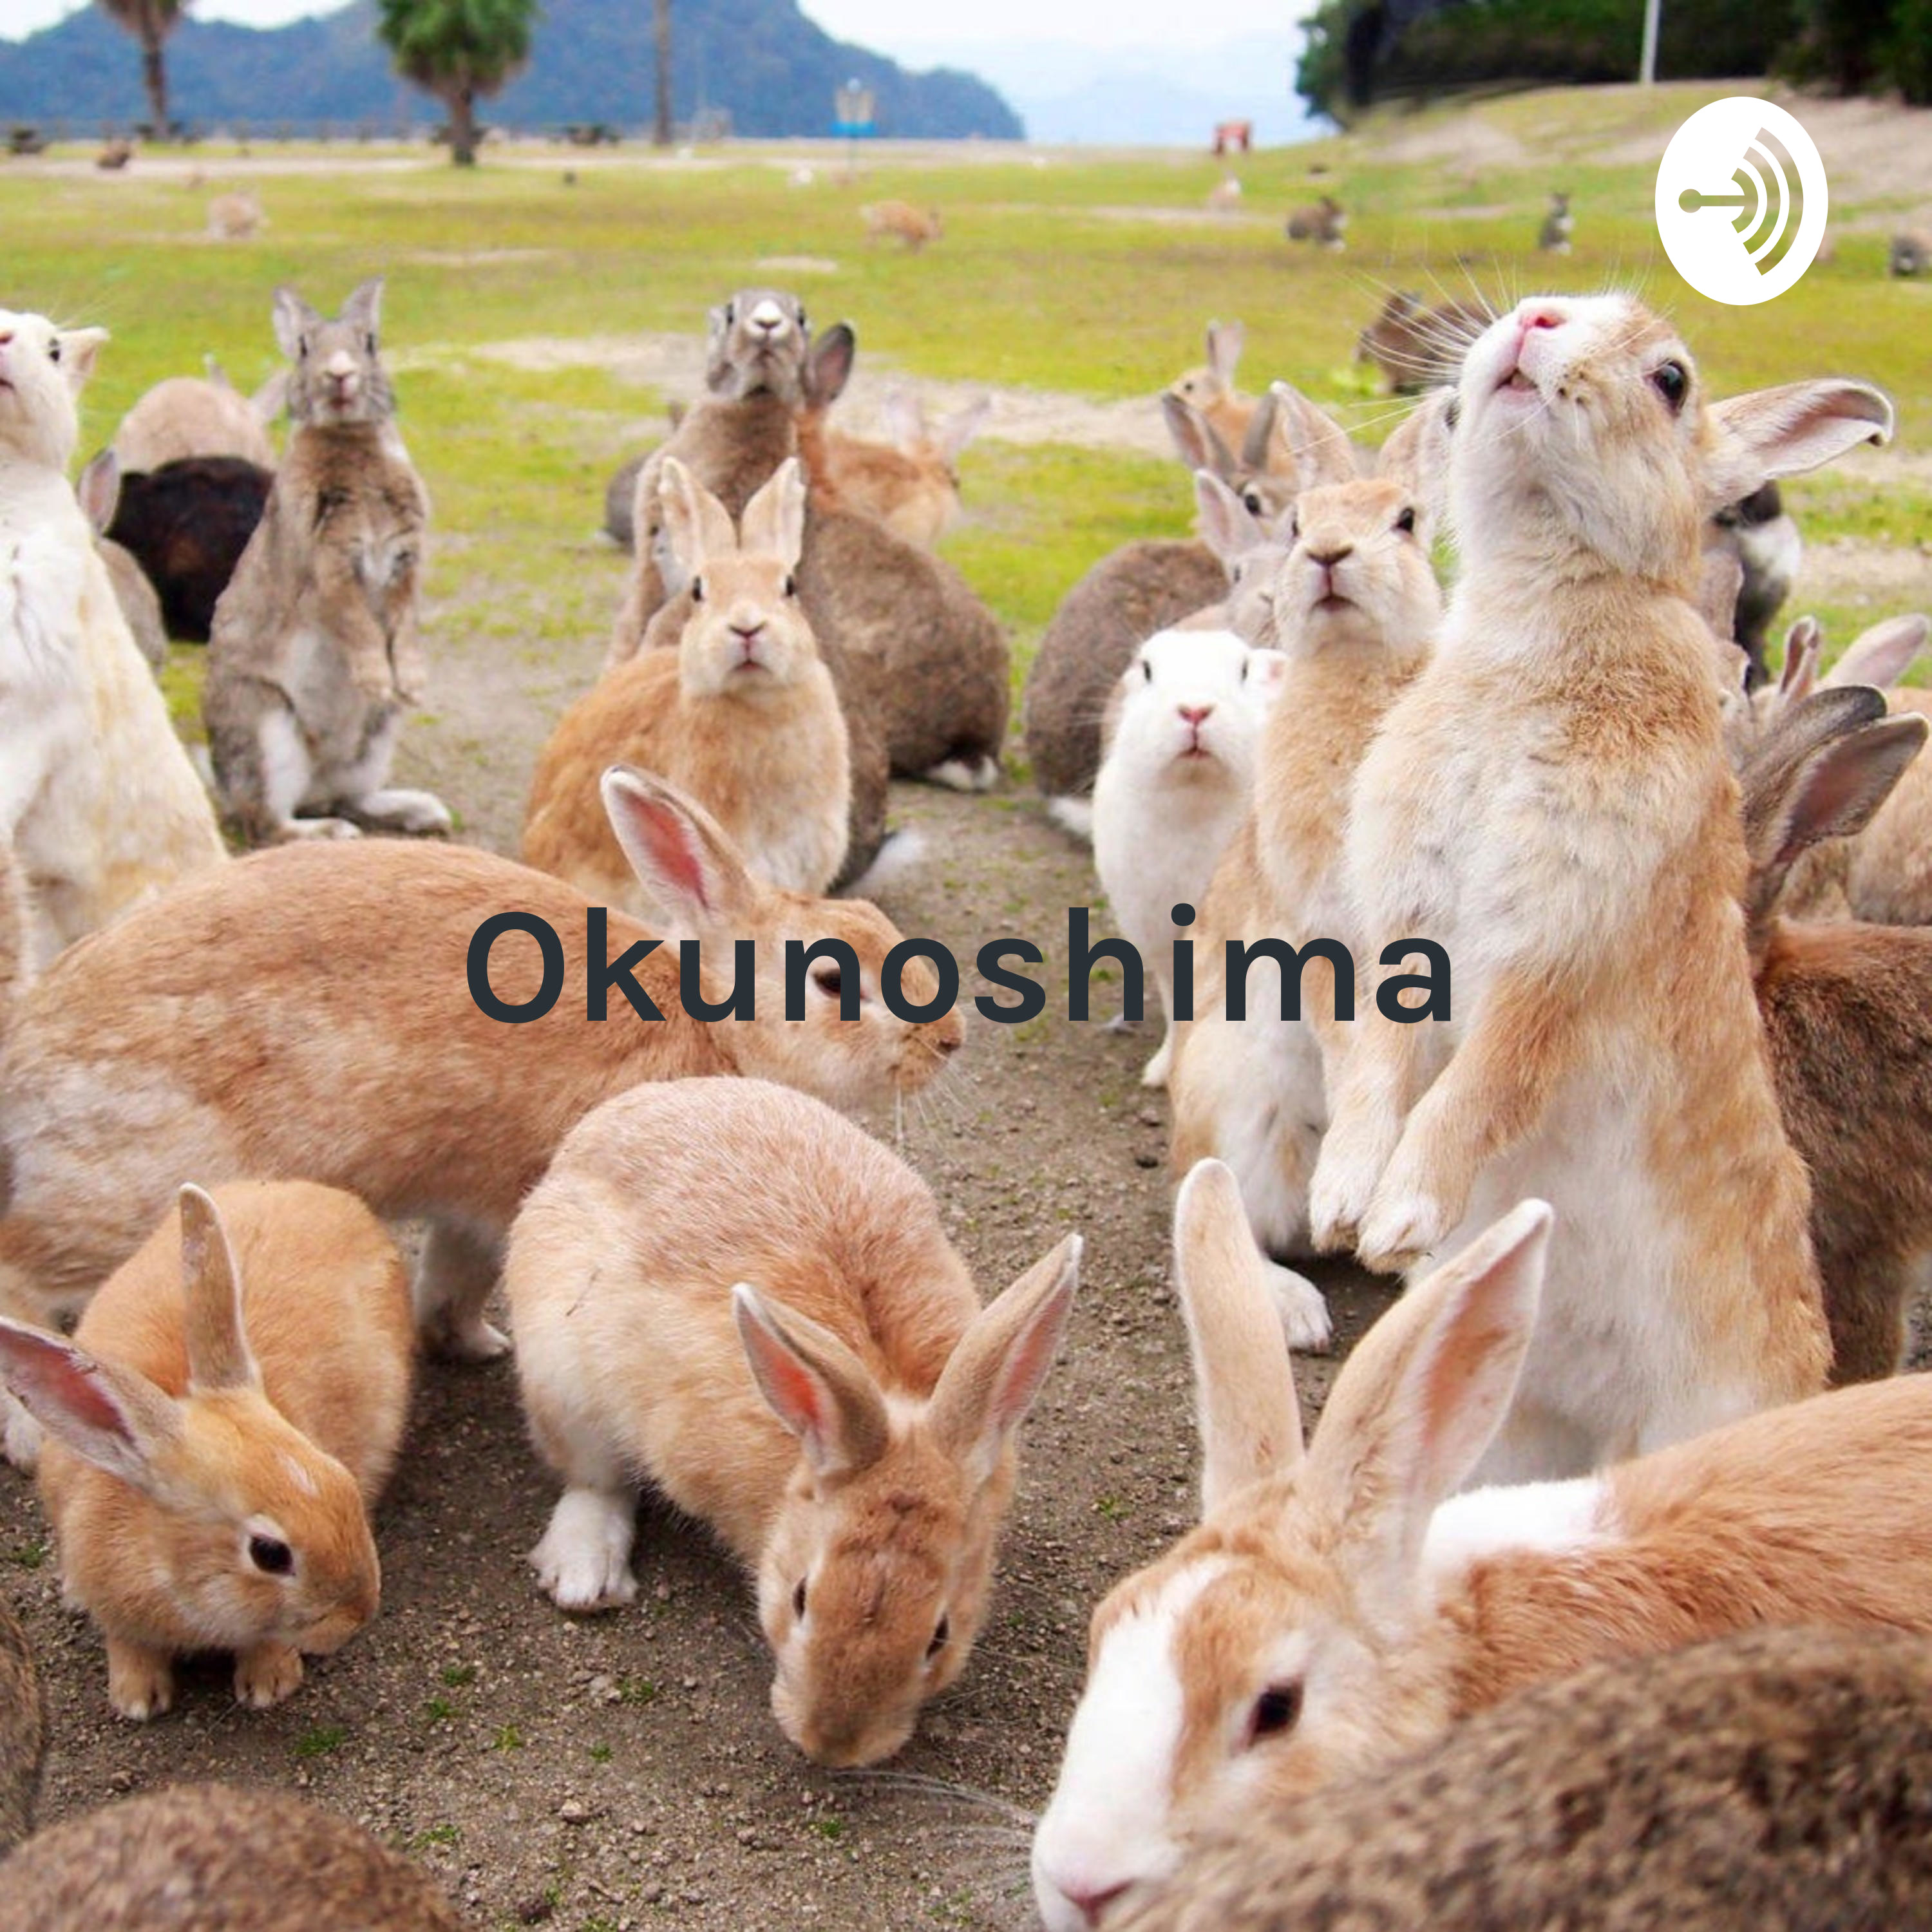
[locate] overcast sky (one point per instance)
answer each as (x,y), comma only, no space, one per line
(886,25)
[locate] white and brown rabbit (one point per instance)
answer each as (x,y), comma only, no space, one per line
(1355,608)
(726,1290)
(313,1011)
(1768,1782)
(226,1415)
(742,716)
(220,1858)
(314,653)
(1173,786)
(22,1731)
(1549,804)
(1341,1605)
(97,795)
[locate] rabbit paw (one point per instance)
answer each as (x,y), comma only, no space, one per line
(266,1675)
(1303,1307)
(320,828)
(140,1682)
(22,1436)
(1155,1071)
(1338,1201)
(419,813)
(583,1561)
(1399,1229)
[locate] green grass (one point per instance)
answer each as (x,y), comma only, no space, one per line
(319,1740)
(1074,275)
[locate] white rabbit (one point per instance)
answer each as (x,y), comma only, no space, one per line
(1174,784)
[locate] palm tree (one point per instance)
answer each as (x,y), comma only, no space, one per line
(660,133)
(460,51)
(151,22)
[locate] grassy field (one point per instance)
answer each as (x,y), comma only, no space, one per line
(1091,277)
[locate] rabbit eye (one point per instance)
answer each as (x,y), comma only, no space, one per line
(1277,1710)
(1253,499)
(1406,522)
(1673,384)
(270,1555)
(790,585)
(798,1599)
(301,345)
(53,350)
(1452,412)
(697,590)
(941,1636)
(1147,670)
(829,981)
(804,327)
(730,313)
(369,340)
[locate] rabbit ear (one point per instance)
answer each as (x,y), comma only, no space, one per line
(1194,437)
(905,421)
(79,348)
(218,1355)
(828,364)
(815,1385)
(364,308)
(990,1382)
(692,516)
(1244,1400)
(952,435)
(109,1416)
(1260,436)
(293,319)
(271,399)
(1784,431)
(1224,348)
(1309,447)
(1880,656)
(1228,527)
(1420,1400)
(1416,455)
(774,521)
(1803,644)
(99,491)
(680,854)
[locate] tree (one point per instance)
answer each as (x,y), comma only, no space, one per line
(460,51)
(660,132)
(151,22)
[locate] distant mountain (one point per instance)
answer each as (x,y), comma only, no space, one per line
(761,61)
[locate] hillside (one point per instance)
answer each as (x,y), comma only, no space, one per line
(761,61)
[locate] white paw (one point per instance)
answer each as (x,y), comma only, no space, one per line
(1339,1196)
(140,1685)
(1398,1230)
(320,828)
(958,775)
(1155,1072)
(583,1561)
(420,814)
(468,1338)
(1303,1307)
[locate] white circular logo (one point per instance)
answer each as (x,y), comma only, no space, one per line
(1741,200)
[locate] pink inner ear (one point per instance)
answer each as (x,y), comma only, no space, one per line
(795,1393)
(51,1375)
(672,851)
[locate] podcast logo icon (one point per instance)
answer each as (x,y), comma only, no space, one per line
(1742,201)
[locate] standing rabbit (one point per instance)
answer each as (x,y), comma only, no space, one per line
(97,795)
(1341,1605)
(1174,783)
(343,1040)
(218,1858)
(742,716)
(844,1417)
(227,1414)
(1766,1783)
(313,654)
(1549,803)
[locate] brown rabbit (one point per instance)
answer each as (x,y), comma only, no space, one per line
(742,716)
(1323,222)
(217,1858)
(193,415)
(1764,1783)
(339,1038)
(1416,347)
(1210,388)
(911,484)
(1847,1012)
(225,1417)
(22,1732)
(900,221)
(313,655)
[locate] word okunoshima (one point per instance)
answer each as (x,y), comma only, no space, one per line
(1084,954)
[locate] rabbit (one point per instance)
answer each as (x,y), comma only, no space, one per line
(341,1040)
(1549,803)
(99,494)
(1225,197)
(1339,1605)
(226,1415)
(900,221)
(851,1443)
(1911,252)
(1325,222)
(1759,532)
(1210,388)
(1174,784)
(1357,607)
(234,217)
(188,525)
(1847,1015)
(911,484)
(742,716)
(313,653)
(97,795)
(22,1732)
(1768,1782)
(1416,347)
(1153,585)
(759,357)
(1558,225)
(193,416)
(217,1858)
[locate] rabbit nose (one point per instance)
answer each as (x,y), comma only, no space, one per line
(1196,714)
(1090,1905)
(1327,559)
(1542,317)
(769,316)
